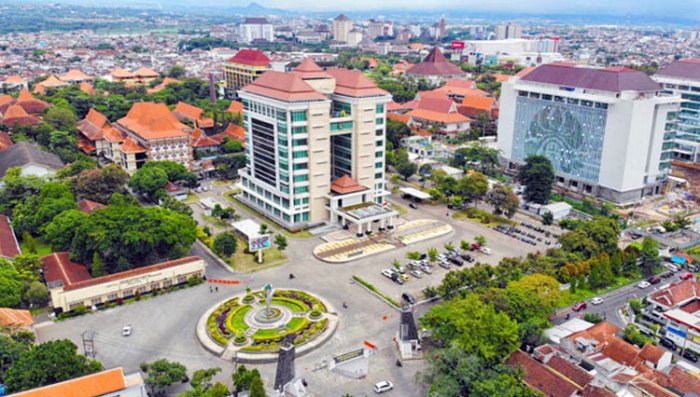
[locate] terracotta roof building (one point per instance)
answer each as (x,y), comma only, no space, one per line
(438,113)
(109,383)
(92,130)
(153,132)
(436,68)
(186,112)
(609,112)
(71,285)
(5,141)
(75,76)
(243,68)
(330,129)
(25,100)
(15,320)
(541,378)
(9,246)
(51,82)
(15,116)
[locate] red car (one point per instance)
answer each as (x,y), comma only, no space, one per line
(580,306)
(686,276)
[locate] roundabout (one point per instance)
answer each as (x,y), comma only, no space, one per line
(254,326)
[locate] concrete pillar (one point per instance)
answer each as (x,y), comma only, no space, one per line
(369,227)
(391,223)
(359,230)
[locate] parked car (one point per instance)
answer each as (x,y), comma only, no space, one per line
(416,273)
(456,260)
(397,279)
(427,269)
(467,258)
(654,280)
(690,356)
(388,273)
(671,267)
(423,256)
(475,247)
(126,330)
(383,386)
(486,250)
(643,284)
(401,269)
(687,276)
(597,300)
(667,343)
(444,264)
(413,205)
(441,257)
(580,306)
(409,298)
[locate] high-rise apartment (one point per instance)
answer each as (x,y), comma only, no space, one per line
(509,31)
(256,29)
(243,68)
(315,142)
(608,132)
(341,27)
(683,78)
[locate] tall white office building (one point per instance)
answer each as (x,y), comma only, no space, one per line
(683,78)
(509,31)
(256,29)
(608,132)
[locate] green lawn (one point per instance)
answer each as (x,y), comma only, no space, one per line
(191,198)
(290,304)
(567,298)
(42,247)
(300,234)
(245,261)
(237,320)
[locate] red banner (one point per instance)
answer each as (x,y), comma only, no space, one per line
(217,281)
(457,45)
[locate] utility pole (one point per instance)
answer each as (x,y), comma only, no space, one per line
(89,344)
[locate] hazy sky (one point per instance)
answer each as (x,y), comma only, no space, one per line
(636,7)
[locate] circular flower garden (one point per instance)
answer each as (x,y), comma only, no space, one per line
(247,323)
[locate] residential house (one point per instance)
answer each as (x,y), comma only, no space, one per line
(188,113)
(439,114)
(15,320)
(9,246)
(30,158)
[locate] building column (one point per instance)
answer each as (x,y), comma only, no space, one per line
(369,227)
(391,223)
(382,225)
(359,230)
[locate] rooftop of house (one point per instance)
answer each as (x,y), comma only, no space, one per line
(686,69)
(88,206)
(610,79)
(59,269)
(541,378)
(23,153)
(287,87)
(93,385)
(435,64)
(15,318)
(9,247)
(308,69)
(75,75)
(153,120)
(354,84)
(677,293)
(5,141)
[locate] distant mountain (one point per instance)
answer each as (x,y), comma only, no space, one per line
(255,9)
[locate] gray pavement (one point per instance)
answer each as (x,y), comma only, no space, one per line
(164,326)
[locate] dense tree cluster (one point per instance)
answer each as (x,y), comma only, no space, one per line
(538,177)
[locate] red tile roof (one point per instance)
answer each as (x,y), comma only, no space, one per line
(14,79)
(608,79)
(345,184)
(286,87)
(250,58)
(233,131)
(652,353)
(597,391)
(438,117)
(235,107)
(5,141)
(16,115)
(87,206)
(569,370)
(75,75)
(153,121)
(130,146)
(308,69)
(15,318)
(681,380)
(93,125)
(9,247)
(59,267)
(185,111)
(160,87)
(677,293)
(538,377)
(30,104)
(684,69)
(353,83)
(121,73)
(53,81)
(146,73)
(398,117)
(94,385)
(87,88)
(200,139)
(435,64)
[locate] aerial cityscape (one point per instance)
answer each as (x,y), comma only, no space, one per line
(315,199)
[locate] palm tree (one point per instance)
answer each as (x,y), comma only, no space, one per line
(413,255)
(450,246)
(432,254)
(465,245)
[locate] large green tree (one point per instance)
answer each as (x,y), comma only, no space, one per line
(36,212)
(99,185)
(10,350)
(503,200)
(150,182)
(477,156)
(650,256)
(46,364)
(11,285)
(537,174)
(163,373)
(225,244)
(473,326)
(473,187)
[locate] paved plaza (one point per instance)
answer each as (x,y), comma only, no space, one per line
(164,326)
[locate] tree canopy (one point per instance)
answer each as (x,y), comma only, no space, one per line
(538,177)
(163,373)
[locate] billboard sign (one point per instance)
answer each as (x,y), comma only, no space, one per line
(457,45)
(259,243)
